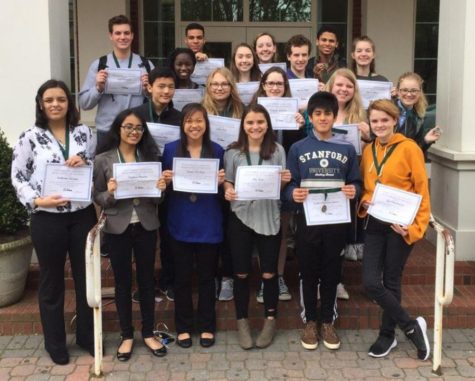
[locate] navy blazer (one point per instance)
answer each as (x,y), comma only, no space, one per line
(119,212)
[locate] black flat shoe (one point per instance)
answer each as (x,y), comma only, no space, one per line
(90,348)
(124,356)
(206,342)
(60,358)
(184,343)
(160,352)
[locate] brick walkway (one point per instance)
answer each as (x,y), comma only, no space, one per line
(23,358)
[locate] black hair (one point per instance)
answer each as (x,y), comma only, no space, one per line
(119,20)
(146,147)
(207,146)
(193,26)
(297,41)
(323,100)
(161,72)
(328,29)
(174,54)
(268,145)
(72,114)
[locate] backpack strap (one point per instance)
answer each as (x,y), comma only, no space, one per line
(102,63)
(145,64)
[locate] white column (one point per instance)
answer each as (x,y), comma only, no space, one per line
(453,157)
(35,47)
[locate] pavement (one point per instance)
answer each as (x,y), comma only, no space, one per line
(24,358)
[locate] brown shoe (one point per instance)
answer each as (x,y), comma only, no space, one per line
(244,334)
(309,338)
(267,334)
(329,336)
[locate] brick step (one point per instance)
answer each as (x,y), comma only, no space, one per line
(420,269)
(357,313)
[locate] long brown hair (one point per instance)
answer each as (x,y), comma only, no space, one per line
(261,91)
(255,71)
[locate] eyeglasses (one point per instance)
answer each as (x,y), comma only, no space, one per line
(216,85)
(129,128)
(410,91)
(274,84)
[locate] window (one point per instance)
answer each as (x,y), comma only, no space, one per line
(280,10)
(426,45)
(72,50)
(211,10)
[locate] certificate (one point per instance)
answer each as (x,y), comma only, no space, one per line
(394,205)
(184,96)
(163,133)
(263,67)
(282,111)
(303,89)
(72,183)
(195,175)
(247,90)
(334,208)
(137,179)
(258,182)
(348,133)
(224,131)
(372,90)
(204,68)
(124,81)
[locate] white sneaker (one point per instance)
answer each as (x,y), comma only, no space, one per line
(226,293)
(350,252)
(341,292)
(359,251)
(260,294)
(284,293)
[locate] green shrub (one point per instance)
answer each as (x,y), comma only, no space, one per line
(13,215)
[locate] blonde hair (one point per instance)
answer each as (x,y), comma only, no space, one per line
(236,103)
(354,108)
(421,105)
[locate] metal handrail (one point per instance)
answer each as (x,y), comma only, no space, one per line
(444,287)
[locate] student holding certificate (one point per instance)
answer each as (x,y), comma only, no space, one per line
(195,224)
(254,222)
(244,64)
(131,225)
(320,168)
(395,161)
(265,48)
(59,227)
(182,62)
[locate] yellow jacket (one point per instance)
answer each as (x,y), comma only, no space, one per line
(404,169)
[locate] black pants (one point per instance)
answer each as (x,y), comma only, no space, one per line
(143,245)
(205,255)
(242,240)
(54,236)
(167,272)
(319,250)
(226,269)
(385,256)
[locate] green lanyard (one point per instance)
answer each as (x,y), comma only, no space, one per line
(65,149)
(325,191)
(150,111)
(121,158)
(248,159)
(377,166)
(117,61)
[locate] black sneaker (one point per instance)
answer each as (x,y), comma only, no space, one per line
(136,296)
(418,336)
(382,346)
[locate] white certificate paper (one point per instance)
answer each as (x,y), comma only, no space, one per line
(124,81)
(163,133)
(263,67)
(258,182)
(372,90)
(184,96)
(348,133)
(394,205)
(204,68)
(247,90)
(334,209)
(223,130)
(282,111)
(303,89)
(195,175)
(72,183)
(137,179)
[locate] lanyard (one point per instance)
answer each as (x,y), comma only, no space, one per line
(377,166)
(248,159)
(325,191)
(65,149)
(117,61)
(121,158)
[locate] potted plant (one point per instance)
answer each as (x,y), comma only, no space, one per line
(15,240)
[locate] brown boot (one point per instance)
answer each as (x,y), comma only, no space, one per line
(244,334)
(267,334)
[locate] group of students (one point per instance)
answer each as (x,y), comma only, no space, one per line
(197,230)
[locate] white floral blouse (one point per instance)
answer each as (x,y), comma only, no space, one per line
(35,148)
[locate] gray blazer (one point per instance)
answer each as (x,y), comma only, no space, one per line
(119,212)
